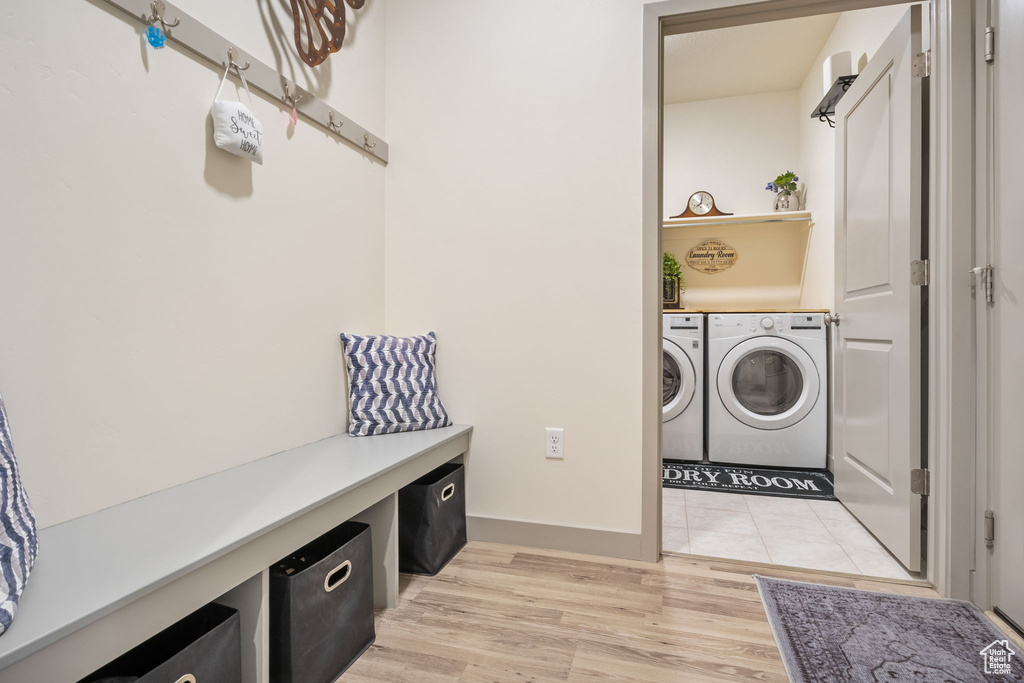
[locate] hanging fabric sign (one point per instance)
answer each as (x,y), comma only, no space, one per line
(711,256)
(235,129)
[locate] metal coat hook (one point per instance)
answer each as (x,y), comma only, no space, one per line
(366,141)
(332,124)
(289,95)
(233,60)
(158,8)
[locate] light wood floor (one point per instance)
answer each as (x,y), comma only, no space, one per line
(499,614)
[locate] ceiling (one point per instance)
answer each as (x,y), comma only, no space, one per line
(743,60)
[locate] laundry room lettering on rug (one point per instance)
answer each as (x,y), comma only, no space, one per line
(795,483)
(735,479)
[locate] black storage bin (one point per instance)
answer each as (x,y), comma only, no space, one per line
(432,520)
(204,647)
(321,607)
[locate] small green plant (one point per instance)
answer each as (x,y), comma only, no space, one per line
(670,268)
(784,183)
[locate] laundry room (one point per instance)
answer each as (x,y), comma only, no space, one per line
(750,178)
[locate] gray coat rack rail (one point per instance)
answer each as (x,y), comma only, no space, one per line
(185,30)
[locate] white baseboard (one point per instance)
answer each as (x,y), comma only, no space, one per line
(600,542)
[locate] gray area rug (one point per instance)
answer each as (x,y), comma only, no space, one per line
(834,635)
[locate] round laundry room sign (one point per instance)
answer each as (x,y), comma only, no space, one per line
(711,256)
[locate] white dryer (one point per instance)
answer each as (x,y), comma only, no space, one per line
(767,389)
(682,387)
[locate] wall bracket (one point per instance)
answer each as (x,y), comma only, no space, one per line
(827,107)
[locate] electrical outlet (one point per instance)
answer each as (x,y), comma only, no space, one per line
(554,447)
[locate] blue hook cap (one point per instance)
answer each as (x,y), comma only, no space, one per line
(156,36)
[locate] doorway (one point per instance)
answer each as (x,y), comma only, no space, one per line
(712,15)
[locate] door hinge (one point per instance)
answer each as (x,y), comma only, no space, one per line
(988,279)
(990,44)
(921,67)
(920,482)
(990,528)
(921,273)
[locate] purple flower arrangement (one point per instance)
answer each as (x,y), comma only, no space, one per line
(785,183)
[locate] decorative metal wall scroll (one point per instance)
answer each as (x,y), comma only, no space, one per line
(328,18)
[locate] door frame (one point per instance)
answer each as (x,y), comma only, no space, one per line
(950,386)
(984,231)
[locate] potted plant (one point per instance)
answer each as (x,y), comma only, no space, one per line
(784,186)
(673,282)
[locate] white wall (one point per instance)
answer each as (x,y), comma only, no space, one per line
(861,33)
(766,274)
(731,147)
(170,310)
(514,230)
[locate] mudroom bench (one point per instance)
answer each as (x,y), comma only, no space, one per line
(107,581)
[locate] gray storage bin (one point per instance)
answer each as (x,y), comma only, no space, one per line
(432,520)
(204,647)
(321,607)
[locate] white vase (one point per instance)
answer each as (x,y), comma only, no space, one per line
(787,201)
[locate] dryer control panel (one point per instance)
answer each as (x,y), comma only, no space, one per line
(814,321)
(765,323)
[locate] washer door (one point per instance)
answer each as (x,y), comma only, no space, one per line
(678,380)
(768,383)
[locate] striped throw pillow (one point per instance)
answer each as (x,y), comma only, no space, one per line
(18,543)
(392,387)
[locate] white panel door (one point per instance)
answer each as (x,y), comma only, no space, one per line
(1005,318)
(877,405)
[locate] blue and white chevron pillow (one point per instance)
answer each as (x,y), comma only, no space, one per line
(392,387)
(18,543)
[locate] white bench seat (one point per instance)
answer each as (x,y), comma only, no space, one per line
(107,581)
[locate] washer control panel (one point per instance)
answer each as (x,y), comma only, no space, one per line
(683,322)
(684,326)
(767,324)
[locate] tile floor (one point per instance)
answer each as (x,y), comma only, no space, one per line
(812,534)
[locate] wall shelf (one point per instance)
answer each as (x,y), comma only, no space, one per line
(742,219)
(772,251)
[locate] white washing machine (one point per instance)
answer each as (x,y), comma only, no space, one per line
(682,387)
(767,389)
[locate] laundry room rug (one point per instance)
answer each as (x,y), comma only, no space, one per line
(808,484)
(834,634)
